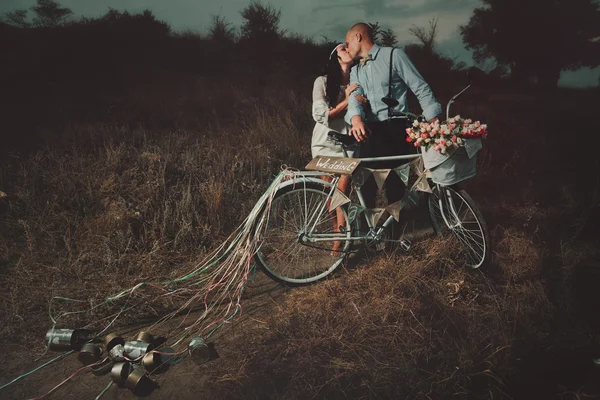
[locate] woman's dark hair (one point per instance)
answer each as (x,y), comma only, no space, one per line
(333,72)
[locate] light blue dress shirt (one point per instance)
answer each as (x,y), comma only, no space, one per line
(373,79)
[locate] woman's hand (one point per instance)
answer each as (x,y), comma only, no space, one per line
(362,100)
(350,89)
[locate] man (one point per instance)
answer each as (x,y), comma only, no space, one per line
(377,133)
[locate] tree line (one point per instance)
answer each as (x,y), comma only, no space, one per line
(529,40)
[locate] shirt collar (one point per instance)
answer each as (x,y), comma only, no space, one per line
(374,51)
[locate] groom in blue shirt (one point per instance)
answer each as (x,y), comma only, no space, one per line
(377,133)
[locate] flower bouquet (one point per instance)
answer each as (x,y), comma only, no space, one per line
(445,136)
(449,147)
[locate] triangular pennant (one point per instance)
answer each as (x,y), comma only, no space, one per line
(380,176)
(418,166)
(411,198)
(423,185)
(403,171)
(360,176)
(394,209)
(373,215)
(338,199)
(353,211)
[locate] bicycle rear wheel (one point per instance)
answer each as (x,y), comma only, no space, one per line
(452,210)
(286,254)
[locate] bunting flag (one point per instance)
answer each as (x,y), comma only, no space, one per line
(373,215)
(394,209)
(411,198)
(360,176)
(418,166)
(338,199)
(353,211)
(380,176)
(403,171)
(422,185)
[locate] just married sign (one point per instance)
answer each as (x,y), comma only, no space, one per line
(336,165)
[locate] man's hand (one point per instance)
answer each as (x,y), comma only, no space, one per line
(360,132)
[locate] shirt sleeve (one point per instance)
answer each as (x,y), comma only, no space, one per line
(320,107)
(416,83)
(354,107)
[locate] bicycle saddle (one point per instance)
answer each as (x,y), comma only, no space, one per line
(342,139)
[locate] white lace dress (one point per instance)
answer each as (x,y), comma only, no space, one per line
(320,145)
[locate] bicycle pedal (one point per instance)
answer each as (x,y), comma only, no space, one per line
(405,244)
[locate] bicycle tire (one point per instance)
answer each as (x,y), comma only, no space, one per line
(282,254)
(465,221)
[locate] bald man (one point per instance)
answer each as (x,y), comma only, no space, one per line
(377,133)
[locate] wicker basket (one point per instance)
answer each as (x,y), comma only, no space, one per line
(448,169)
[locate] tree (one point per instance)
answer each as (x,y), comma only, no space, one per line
(536,39)
(48,13)
(375,29)
(388,38)
(221,30)
(426,36)
(261,22)
(17,18)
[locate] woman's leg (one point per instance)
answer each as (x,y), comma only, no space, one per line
(343,185)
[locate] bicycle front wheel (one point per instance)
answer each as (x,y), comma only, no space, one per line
(289,252)
(452,210)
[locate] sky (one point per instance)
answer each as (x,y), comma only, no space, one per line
(316,19)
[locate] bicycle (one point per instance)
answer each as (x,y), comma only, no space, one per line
(300,228)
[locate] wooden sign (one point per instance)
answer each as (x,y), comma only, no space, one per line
(336,165)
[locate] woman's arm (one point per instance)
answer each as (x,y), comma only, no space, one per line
(342,105)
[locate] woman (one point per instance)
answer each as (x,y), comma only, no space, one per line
(330,101)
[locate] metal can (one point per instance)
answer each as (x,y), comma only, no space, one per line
(198,350)
(136,349)
(117,353)
(144,337)
(120,372)
(89,353)
(61,339)
(139,383)
(111,340)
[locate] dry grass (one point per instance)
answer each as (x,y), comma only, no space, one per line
(127,200)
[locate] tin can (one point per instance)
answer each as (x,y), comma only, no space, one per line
(139,383)
(60,339)
(144,337)
(151,361)
(198,350)
(136,349)
(120,372)
(111,340)
(117,353)
(89,353)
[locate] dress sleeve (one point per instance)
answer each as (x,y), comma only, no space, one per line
(320,107)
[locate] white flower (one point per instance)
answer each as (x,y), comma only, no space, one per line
(415,123)
(427,140)
(459,140)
